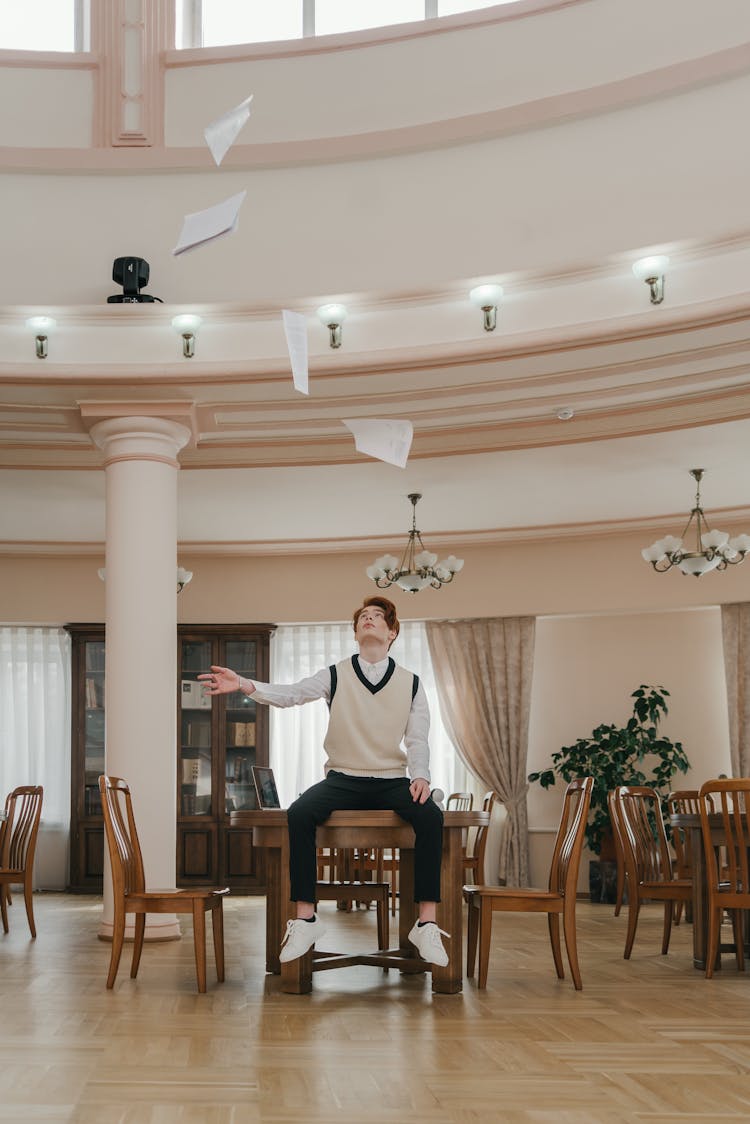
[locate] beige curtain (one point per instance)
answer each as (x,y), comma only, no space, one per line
(735,627)
(483,672)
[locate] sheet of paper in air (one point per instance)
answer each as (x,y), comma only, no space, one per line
(386,440)
(203,226)
(223,132)
(295,329)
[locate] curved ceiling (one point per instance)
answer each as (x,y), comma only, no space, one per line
(653,390)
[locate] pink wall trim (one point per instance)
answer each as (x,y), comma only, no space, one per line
(50,60)
(709,314)
(171,461)
(506,120)
(321,44)
(732,518)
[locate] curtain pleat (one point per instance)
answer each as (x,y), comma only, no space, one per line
(35,716)
(483,669)
(735,628)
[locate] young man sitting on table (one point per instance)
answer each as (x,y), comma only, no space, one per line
(373,706)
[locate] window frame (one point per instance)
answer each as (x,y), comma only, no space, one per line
(192,21)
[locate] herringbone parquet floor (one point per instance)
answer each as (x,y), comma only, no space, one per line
(648,1040)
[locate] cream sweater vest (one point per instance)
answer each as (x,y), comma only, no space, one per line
(367,722)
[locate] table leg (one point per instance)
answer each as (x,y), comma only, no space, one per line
(449,979)
(700,903)
(274,915)
(407,907)
(296,975)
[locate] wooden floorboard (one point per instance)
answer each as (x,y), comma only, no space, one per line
(649,1040)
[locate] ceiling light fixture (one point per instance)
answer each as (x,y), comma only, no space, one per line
(183,577)
(187,325)
(565,413)
(332,316)
(42,327)
(652,270)
(487,297)
(415,571)
(714,550)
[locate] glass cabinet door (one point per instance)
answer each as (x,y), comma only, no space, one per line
(240,739)
(194,765)
(93,726)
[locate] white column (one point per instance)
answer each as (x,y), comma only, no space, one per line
(141,638)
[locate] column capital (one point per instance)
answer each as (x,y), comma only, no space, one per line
(139,431)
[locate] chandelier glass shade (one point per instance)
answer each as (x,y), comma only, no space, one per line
(418,567)
(711,550)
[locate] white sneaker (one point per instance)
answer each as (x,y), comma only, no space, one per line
(426,940)
(299,937)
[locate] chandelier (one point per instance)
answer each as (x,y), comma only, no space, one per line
(418,567)
(714,550)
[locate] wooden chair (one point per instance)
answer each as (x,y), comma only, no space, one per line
(24,810)
(648,862)
(684,802)
(350,885)
(617,835)
(559,898)
(727,864)
(460,802)
(476,847)
(131,896)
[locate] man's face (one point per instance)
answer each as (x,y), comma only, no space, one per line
(371,624)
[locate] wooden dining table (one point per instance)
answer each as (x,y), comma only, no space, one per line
(363,829)
(691,825)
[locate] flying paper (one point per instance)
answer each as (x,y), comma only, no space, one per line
(386,440)
(295,329)
(223,132)
(203,226)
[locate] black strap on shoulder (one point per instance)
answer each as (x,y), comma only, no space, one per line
(334,682)
(414,686)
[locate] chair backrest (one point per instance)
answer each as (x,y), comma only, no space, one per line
(617,827)
(124,847)
(460,802)
(566,857)
(644,839)
(684,802)
(727,858)
(476,846)
(24,809)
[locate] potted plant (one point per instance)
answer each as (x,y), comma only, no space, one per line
(617,755)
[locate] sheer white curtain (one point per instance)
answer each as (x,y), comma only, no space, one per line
(296,734)
(35,716)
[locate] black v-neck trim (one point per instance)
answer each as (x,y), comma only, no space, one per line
(373,688)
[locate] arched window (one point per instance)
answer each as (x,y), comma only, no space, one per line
(216,23)
(44,25)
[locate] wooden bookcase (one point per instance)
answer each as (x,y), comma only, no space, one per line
(218,742)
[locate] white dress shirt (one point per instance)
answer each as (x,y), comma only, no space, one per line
(318,686)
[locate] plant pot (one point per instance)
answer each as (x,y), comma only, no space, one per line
(603,881)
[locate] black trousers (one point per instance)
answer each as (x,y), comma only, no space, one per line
(339,792)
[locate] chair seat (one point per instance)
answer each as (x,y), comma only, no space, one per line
(507,892)
(187,892)
(677,887)
(379,892)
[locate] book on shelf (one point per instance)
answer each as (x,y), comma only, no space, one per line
(241,733)
(94,693)
(194,696)
(191,768)
(197,732)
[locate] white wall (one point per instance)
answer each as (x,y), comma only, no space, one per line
(584,671)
